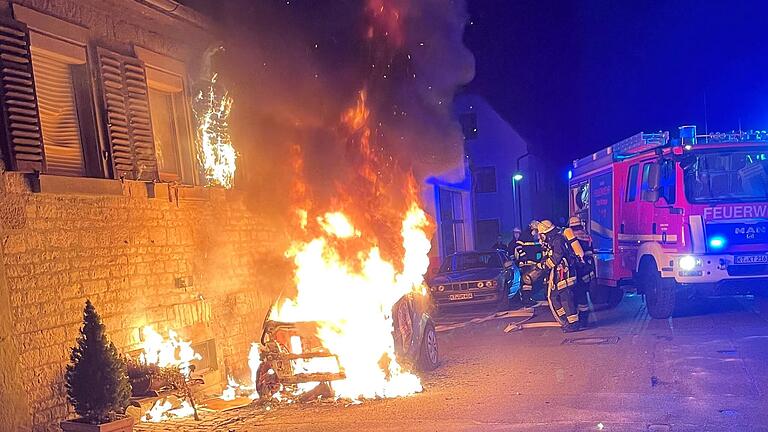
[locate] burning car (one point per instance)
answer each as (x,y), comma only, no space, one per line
(293,358)
(475,278)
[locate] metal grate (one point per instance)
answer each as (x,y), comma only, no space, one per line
(612,340)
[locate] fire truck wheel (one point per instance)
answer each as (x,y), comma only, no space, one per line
(659,294)
(428,356)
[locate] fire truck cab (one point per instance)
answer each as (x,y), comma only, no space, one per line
(666,214)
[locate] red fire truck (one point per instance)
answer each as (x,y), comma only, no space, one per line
(668,216)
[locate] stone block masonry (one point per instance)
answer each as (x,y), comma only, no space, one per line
(209,266)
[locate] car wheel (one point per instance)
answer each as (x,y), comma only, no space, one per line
(266,381)
(659,293)
(429,355)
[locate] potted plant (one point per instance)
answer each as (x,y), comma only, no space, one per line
(97,380)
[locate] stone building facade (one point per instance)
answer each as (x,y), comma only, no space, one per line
(100,210)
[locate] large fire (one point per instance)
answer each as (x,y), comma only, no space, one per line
(352,301)
(164,352)
(216,153)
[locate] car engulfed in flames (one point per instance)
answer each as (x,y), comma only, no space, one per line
(293,360)
(357,321)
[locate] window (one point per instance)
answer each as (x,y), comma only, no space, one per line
(64,99)
(632,183)
(451,221)
(485,180)
(582,197)
(487,232)
(726,176)
(58,114)
(472,260)
(668,181)
(164,130)
(469,125)
(646,174)
(170,114)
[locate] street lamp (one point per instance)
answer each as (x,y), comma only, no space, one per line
(516,178)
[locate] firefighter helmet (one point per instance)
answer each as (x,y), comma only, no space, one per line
(545,226)
(574,221)
(516,230)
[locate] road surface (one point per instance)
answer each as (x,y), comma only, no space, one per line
(705,369)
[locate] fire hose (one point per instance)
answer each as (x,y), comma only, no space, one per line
(533,275)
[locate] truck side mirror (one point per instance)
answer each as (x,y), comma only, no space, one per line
(654,183)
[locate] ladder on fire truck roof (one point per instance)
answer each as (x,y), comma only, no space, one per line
(636,144)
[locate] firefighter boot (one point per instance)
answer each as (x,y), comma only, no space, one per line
(584,319)
(526,297)
(571,327)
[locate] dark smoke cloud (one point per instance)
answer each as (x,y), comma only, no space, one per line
(294,67)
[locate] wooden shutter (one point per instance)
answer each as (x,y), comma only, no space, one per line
(21,136)
(126,112)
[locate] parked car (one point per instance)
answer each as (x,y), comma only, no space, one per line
(474,278)
(413,332)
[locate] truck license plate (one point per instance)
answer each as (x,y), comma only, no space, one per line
(461,296)
(750,259)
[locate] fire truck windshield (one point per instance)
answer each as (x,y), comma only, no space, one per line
(726,176)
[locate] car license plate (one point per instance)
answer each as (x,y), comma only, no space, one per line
(750,259)
(460,296)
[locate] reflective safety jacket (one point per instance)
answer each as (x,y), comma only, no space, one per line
(527,250)
(560,260)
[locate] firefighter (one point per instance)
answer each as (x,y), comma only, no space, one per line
(585,270)
(560,260)
(500,245)
(527,254)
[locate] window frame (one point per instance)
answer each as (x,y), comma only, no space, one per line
(476,173)
(169,75)
(668,181)
(632,175)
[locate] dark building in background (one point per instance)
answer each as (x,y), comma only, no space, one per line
(510,185)
(505,185)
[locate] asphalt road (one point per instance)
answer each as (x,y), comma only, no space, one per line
(705,369)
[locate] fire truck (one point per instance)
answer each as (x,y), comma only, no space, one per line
(670,217)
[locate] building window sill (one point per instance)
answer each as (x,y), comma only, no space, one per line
(64,185)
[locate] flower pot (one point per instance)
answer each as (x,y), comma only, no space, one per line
(122,425)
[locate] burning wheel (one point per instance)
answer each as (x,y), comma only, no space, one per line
(429,355)
(266,381)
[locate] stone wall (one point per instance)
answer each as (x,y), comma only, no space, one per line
(181,258)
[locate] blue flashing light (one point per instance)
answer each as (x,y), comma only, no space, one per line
(716,242)
(570,174)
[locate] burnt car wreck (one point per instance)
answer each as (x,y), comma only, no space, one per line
(292,356)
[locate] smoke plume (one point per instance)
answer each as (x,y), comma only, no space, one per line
(295,68)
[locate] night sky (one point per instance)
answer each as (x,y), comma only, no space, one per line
(576,76)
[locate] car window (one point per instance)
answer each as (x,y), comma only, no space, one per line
(473,260)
